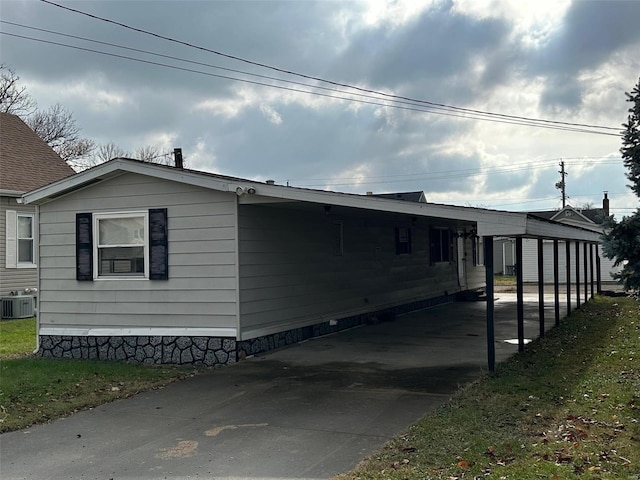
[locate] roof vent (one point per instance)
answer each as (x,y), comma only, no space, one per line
(369,193)
(270,182)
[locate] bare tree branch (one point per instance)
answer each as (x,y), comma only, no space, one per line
(58,128)
(13,98)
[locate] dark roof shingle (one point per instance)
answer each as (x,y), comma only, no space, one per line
(26,161)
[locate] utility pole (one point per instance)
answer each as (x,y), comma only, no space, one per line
(561,185)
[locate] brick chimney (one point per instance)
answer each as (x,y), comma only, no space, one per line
(605,204)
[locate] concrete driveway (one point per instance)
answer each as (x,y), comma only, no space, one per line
(309,411)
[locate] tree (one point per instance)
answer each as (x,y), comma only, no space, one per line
(108,151)
(622,241)
(58,128)
(13,98)
(55,126)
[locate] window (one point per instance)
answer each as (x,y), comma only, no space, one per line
(440,245)
(20,240)
(25,239)
(121,245)
(403,240)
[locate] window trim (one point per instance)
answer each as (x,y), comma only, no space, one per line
(31,264)
(12,240)
(144,214)
(437,230)
(403,240)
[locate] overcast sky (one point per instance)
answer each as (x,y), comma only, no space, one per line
(555,60)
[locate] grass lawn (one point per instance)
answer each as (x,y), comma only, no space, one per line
(568,407)
(504,280)
(36,390)
(17,337)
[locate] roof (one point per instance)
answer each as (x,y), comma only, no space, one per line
(406,196)
(589,215)
(26,161)
(488,222)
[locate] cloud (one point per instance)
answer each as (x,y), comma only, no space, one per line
(562,60)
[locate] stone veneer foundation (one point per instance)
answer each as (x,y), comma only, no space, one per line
(207,350)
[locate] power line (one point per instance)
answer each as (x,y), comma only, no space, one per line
(421,108)
(319,79)
(440,175)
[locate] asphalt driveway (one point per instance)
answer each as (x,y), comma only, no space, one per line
(309,411)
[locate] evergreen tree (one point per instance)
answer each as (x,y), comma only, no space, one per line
(622,242)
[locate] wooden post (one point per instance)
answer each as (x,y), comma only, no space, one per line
(556,282)
(488,265)
(541,286)
(520,294)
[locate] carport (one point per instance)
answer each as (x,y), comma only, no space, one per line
(256,266)
(586,263)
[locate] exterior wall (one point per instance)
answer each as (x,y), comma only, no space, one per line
(530,261)
(293,272)
(200,294)
(13,278)
(504,256)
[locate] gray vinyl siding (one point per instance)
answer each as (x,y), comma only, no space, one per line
(201,291)
(290,275)
(12,279)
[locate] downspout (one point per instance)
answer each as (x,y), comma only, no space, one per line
(37,248)
(237,248)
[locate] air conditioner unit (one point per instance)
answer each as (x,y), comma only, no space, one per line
(18,306)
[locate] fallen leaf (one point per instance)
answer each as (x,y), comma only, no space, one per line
(463,464)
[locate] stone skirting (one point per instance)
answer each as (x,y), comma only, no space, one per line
(142,349)
(208,351)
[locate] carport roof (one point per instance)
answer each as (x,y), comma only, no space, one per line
(489,222)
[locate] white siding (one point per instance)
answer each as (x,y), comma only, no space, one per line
(291,276)
(201,291)
(13,278)
(530,262)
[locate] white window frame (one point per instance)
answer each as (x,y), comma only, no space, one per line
(12,241)
(32,263)
(96,245)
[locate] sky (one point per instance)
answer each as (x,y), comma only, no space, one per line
(351,96)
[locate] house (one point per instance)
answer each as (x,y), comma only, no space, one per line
(26,163)
(591,219)
(163,264)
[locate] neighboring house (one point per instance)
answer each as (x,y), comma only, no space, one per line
(590,219)
(162,264)
(26,163)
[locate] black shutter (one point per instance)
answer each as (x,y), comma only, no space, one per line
(158,244)
(84,247)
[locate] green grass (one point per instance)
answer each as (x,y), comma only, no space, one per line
(36,390)
(568,407)
(17,337)
(504,280)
